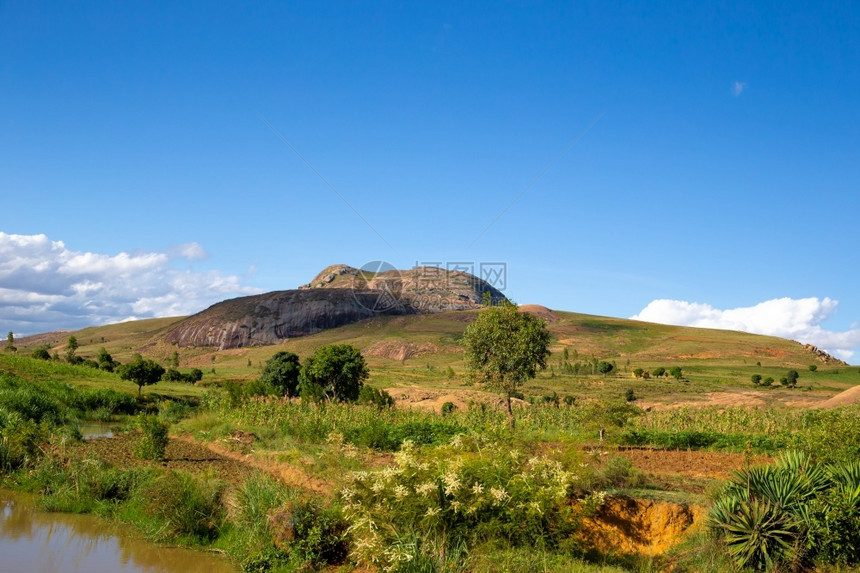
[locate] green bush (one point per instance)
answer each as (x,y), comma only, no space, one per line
(183,505)
(448,408)
(430,506)
(153,440)
(368,395)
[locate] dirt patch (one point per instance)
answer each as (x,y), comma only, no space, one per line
(693,464)
(180,455)
(398,350)
(416,397)
(539,311)
(627,525)
(846,398)
(744,399)
(231,458)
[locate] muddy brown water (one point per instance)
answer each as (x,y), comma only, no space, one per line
(37,542)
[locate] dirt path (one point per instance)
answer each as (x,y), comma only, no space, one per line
(187,454)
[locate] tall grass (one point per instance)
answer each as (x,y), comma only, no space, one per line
(386,429)
(829,435)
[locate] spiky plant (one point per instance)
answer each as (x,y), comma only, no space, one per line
(759,534)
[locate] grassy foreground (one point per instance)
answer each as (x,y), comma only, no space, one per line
(397,489)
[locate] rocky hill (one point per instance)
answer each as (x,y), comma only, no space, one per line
(337,296)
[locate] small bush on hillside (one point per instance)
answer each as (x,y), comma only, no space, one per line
(448,408)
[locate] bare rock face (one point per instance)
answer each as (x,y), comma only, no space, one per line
(337,296)
(426,289)
(822,356)
(269,318)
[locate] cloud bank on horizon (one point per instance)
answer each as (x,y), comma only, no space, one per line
(44,286)
(796,319)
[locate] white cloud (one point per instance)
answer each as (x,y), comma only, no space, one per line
(45,286)
(797,319)
(189,252)
(738,88)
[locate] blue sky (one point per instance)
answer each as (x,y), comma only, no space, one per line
(714,159)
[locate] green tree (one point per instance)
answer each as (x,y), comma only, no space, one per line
(71,349)
(756,379)
(605,368)
(791,378)
(141,372)
(335,373)
(767,381)
(676,372)
(505,348)
(658,372)
(106,361)
(282,372)
(638,372)
(10,342)
(812,367)
(174,359)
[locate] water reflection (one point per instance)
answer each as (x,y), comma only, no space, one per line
(36,542)
(92,430)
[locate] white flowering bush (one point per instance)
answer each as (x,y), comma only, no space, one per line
(426,504)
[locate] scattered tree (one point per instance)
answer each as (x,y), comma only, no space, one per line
(630,395)
(638,373)
(141,372)
(10,342)
(505,348)
(756,379)
(676,372)
(791,378)
(71,349)
(605,368)
(767,381)
(106,361)
(658,372)
(334,373)
(812,367)
(449,373)
(282,372)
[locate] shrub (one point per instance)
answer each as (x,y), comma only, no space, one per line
(371,396)
(153,440)
(42,353)
(756,379)
(793,512)
(630,395)
(184,505)
(448,408)
(457,499)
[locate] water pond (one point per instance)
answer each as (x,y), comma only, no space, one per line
(38,542)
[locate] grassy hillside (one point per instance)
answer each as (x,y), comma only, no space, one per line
(417,350)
